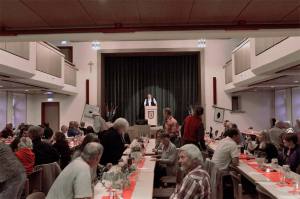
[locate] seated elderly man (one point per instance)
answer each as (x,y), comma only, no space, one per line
(166,164)
(196,183)
(75,180)
(114,142)
(227,150)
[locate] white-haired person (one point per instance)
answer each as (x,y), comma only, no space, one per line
(196,183)
(75,180)
(25,154)
(12,174)
(114,142)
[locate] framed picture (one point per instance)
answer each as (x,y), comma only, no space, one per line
(219,114)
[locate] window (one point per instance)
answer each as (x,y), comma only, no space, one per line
(68,52)
(236,103)
(19,108)
(3,109)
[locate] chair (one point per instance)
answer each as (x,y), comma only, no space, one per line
(142,130)
(168,180)
(36,195)
(262,194)
(34,181)
(216,179)
(237,185)
(50,172)
(163,192)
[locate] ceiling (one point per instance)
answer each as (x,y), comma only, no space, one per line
(118,16)
(14,86)
(287,78)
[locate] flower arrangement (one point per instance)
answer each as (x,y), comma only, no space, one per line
(116,177)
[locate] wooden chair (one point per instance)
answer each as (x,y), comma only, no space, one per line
(163,192)
(33,182)
(36,195)
(262,194)
(168,181)
(50,172)
(237,185)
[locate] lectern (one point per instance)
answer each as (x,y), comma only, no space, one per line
(151,115)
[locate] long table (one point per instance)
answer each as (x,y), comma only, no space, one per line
(144,182)
(259,178)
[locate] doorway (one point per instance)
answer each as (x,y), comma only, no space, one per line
(50,114)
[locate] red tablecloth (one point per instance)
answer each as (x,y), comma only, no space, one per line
(127,192)
(273,176)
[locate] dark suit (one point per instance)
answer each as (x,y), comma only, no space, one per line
(114,146)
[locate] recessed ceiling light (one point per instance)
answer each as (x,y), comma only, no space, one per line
(50,99)
(1,86)
(96,45)
(26,90)
(64,42)
(201,43)
(48,93)
(296,81)
(272,86)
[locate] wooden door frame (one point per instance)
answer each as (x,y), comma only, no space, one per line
(43,112)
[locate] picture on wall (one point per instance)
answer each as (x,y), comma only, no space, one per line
(219,114)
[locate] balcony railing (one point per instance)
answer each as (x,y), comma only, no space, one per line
(70,74)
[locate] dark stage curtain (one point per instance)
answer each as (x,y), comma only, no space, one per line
(171,79)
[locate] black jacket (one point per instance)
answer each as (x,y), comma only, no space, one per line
(114,146)
(44,153)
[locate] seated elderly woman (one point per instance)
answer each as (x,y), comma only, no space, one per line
(166,160)
(113,142)
(291,151)
(196,183)
(263,146)
(25,154)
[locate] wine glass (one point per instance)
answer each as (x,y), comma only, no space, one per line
(274,163)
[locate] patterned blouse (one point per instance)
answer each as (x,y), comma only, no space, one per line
(195,185)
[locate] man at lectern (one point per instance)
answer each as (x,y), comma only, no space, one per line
(150,101)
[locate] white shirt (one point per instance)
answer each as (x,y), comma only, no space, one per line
(73,182)
(226,150)
(150,101)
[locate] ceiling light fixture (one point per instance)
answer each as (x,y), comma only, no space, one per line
(1,86)
(201,43)
(26,90)
(63,42)
(49,99)
(296,81)
(48,93)
(272,86)
(96,45)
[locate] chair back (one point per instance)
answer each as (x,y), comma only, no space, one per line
(50,172)
(237,185)
(142,130)
(262,194)
(216,179)
(34,181)
(36,195)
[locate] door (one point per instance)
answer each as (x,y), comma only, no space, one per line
(50,114)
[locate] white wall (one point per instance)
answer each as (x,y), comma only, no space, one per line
(257,105)
(71,107)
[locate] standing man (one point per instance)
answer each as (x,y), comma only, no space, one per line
(150,101)
(193,129)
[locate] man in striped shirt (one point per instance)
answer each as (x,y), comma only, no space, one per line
(196,184)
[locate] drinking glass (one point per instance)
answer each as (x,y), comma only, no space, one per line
(274,163)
